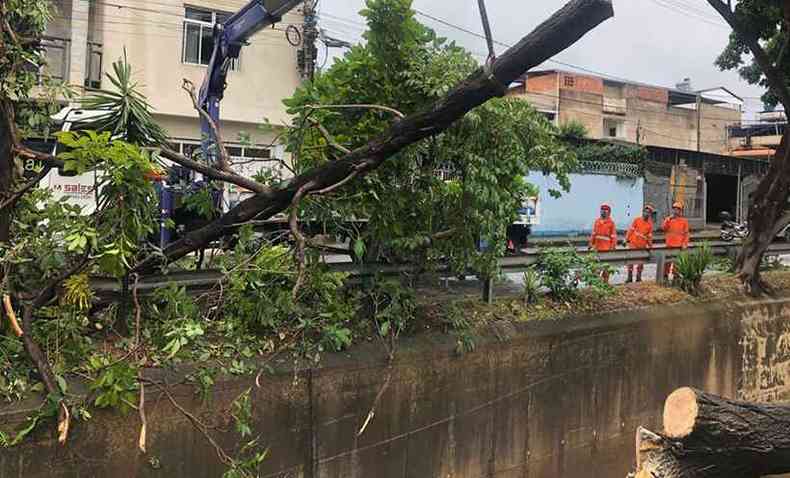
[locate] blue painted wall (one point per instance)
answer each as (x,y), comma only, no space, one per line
(575,211)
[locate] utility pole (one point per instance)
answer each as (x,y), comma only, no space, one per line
(487,29)
(638,131)
(306,57)
(699,122)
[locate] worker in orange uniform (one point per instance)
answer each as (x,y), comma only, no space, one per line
(676,228)
(604,235)
(640,237)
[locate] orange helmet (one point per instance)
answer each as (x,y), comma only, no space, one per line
(606,206)
(678,205)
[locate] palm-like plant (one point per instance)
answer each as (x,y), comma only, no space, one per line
(128,111)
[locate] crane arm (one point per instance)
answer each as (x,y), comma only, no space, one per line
(229,37)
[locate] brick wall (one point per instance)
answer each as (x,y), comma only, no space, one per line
(546,82)
(646,93)
(581,83)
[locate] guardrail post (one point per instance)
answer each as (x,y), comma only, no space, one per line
(661,267)
(488,290)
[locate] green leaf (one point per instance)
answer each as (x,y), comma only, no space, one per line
(62,385)
(359,249)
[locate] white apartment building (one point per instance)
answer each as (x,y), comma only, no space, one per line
(167,41)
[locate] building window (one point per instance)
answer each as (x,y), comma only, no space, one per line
(198,41)
(570,82)
(613,128)
(245,160)
(550,115)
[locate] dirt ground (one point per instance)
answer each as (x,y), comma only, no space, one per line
(510,304)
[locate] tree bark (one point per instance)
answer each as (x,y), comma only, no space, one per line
(767,212)
(767,215)
(709,436)
(554,35)
(6,173)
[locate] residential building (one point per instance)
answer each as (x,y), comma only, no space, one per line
(634,112)
(758,138)
(688,135)
(167,41)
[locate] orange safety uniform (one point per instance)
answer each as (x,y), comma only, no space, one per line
(677,231)
(604,235)
(640,235)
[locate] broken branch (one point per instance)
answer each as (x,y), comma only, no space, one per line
(9,312)
(222,152)
(357,107)
(11,201)
(330,140)
(299,237)
(213,173)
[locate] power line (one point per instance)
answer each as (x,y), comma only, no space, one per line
(507,45)
(688,11)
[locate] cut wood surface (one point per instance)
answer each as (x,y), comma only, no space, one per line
(709,436)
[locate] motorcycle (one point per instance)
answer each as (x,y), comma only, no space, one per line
(731,230)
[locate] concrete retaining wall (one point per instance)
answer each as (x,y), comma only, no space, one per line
(543,399)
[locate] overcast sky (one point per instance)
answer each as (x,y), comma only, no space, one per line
(651,41)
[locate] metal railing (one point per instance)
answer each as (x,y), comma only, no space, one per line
(207,279)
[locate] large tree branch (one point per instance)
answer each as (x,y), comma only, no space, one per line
(772,74)
(16,196)
(222,152)
(214,173)
(554,35)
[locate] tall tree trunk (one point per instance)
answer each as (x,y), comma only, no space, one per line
(767,215)
(6,172)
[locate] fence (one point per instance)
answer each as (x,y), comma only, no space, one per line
(207,279)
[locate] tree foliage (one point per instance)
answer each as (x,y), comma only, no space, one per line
(464,184)
(128,114)
(763,19)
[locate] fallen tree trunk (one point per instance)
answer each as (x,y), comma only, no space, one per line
(560,31)
(709,436)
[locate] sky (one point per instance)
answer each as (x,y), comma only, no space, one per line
(658,42)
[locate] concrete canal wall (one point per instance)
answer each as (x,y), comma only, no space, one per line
(541,399)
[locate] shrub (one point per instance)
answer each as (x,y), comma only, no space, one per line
(563,270)
(573,130)
(531,286)
(690,266)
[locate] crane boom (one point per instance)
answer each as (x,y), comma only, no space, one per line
(229,37)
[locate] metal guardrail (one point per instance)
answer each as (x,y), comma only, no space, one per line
(206,279)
